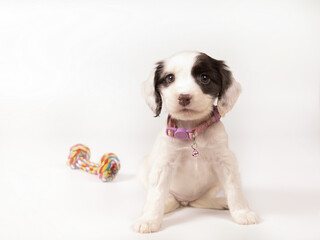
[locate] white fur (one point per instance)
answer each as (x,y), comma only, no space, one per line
(227,101)
(171,176)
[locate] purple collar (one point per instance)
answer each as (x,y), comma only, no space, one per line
(190,134)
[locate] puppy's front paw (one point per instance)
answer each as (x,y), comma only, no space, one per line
(143,225)
(245,217)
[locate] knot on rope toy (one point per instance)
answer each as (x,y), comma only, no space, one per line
(107,168)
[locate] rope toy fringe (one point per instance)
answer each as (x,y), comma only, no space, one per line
(107,168)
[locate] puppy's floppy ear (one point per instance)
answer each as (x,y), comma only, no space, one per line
(230,90)
(150,89)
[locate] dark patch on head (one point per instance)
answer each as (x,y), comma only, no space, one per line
(216,70)
(157,81)
(160,80)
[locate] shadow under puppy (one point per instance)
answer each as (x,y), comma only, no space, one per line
(190,161)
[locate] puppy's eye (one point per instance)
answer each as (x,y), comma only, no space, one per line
(170,78)
(204,79)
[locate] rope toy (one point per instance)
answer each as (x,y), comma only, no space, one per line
(107,168)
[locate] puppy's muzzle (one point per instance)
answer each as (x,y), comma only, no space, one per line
(184,99)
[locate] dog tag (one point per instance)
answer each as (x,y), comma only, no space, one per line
(195,153)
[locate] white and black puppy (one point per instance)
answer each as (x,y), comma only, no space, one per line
(190,161)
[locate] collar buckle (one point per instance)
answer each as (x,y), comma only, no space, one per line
(179,133)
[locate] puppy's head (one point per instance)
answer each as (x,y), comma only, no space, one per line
(188,83)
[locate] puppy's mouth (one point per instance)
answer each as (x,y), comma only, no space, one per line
(187,110)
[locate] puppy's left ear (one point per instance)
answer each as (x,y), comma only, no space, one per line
(151,91)
(230,90)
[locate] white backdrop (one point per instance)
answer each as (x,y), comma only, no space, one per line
(70,72)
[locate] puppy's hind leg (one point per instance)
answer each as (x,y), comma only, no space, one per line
(171,204)
(210,201)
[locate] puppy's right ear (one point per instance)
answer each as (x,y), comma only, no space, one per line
(151,91)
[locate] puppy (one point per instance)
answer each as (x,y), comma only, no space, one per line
(190,161)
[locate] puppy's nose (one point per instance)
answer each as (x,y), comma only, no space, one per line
(184,99)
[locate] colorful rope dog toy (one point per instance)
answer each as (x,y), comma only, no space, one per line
(107,168)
